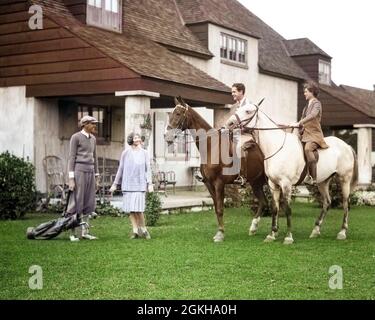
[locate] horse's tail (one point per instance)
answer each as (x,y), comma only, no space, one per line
(354,181)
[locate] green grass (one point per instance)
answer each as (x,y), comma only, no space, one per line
(182,262)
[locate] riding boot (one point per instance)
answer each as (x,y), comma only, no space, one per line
(312,170)
(311,176)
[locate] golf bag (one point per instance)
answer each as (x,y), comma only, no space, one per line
(53,228)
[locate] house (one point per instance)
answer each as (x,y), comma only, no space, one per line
(124,61)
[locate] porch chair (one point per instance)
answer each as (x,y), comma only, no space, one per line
(56,186)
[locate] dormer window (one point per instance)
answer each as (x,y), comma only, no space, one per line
(324,72)
(105,14)
(233,49)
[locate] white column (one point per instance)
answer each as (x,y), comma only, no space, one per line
(137,106)
(364,153)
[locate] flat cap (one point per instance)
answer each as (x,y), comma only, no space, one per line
(87,119)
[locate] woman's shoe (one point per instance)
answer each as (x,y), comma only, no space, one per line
(146,235)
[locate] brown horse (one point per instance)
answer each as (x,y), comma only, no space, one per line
(214,169)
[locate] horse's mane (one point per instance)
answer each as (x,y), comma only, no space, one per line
(195,115)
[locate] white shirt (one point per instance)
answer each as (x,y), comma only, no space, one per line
(243,102)
(85,133)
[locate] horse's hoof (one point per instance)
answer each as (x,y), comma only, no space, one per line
(288,240)
(219,237)
(341,235)
(269,239)
(252,231)
(314,234)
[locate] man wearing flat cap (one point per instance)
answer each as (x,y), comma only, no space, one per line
(83,172)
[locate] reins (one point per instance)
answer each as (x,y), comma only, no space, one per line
(243,123)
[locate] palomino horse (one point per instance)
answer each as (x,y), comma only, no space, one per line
(284,163)
(213,171)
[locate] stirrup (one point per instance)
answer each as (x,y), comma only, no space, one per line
(198,177)
(309,180)
(240,180)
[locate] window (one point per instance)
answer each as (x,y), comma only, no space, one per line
(105,14)
(324,72)
(223,47)
(111,5)
(233,49)
(95,3)
(103,115)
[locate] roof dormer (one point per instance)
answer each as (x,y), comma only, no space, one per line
(106,14)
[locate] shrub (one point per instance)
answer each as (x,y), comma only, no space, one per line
(363,198)
(106,209)
(249,198)
(17,186)
(153,208)
(243,197)
(334,191)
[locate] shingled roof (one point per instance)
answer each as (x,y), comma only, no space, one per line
(273,54)
(366,97)
(139,54)
(230,14)
(359,99)
(160,21)
(304,46)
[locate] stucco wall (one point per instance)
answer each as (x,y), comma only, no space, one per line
(17,122)
(280,98)
(46,136)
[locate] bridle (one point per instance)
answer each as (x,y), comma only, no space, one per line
(241,124)
(182,120)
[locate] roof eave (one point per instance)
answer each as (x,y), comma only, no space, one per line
(187,52)
(280,75)
(226,27)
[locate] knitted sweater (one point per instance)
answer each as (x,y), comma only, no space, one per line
(82,152)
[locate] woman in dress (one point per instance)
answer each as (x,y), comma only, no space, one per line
(134,175)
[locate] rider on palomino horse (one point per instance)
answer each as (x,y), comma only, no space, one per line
(310,129)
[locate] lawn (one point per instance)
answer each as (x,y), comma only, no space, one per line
(182,262)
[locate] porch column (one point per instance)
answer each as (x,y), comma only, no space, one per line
(137,107)
(364,153)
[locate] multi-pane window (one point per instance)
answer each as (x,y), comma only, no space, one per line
(105,14)
(103,115)
(95,3)
(324,72)
(111,5)
(232,48)
(223,47)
